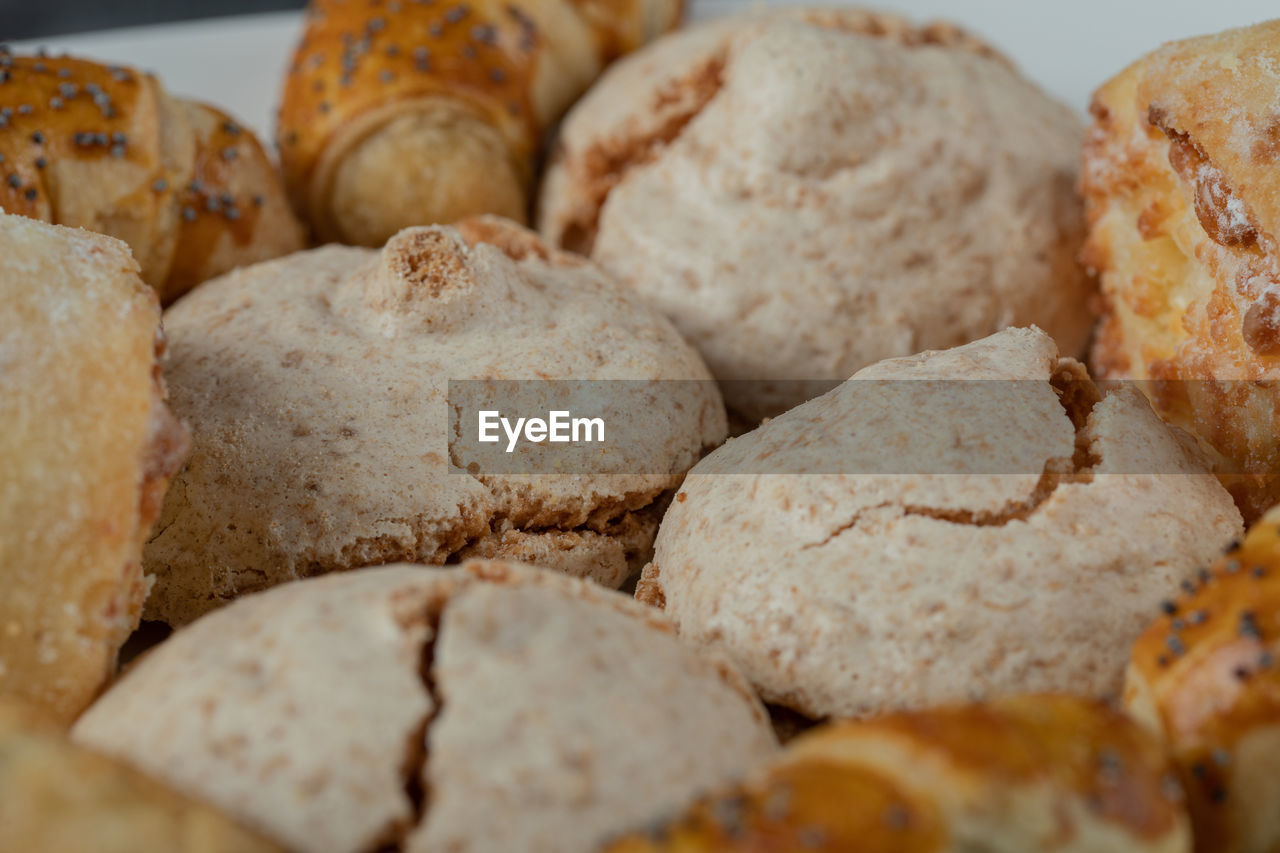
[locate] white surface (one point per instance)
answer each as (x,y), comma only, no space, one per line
(1068,47)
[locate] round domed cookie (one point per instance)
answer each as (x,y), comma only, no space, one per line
(806,192)
(485,707)
(317,389)
(955,525)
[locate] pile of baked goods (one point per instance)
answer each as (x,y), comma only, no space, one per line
(877,565)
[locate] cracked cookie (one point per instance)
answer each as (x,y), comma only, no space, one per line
(488,707)
(55,796)
(87,447)
(1204,676)
(807,192)
(1181,181)
(958,524)
(316,387)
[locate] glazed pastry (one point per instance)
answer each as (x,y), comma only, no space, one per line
(1183,196)
(951,526)
(106,148)
(416,113)
(320,711)
(317,389)
(1018,775)
(87,447)
(58,797)
(1204,676)
(807,192)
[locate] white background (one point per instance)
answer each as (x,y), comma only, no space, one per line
(1068,46)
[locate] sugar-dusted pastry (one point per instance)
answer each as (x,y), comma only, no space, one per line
(317,389)
(415,113)
(807,192)
(106,148)
(1182,183)
(960,524)
(483,708)
(1026,774)
(55,796)
(87,447)
(1204,675)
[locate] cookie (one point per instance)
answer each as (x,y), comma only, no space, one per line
(956,525)
(318,392)
(806,192)
(486,707)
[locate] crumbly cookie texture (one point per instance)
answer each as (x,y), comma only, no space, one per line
(1182,189)
(1204,676)
(56,796)
(807,192)
(86,450)
(317,391)
(899,544)
(489,707)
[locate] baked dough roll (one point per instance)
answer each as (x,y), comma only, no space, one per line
(55,796)
(483,708)
(412,113)
(106,148)
(87,447)
(1018,775)
(1204,676)
(1182,183)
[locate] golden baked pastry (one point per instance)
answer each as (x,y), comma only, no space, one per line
(59,798)
(1182,182)
(106,148)
(417,113)
(1018,775)
(87,447)
(1204,675)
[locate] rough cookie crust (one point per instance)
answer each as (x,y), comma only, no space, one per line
(316,389)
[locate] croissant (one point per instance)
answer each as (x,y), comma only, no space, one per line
(416,112)
(107,149)
(1018,775)
(1204,675)
(87,446)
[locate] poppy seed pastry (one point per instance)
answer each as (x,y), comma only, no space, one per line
(537,712)
(1204,676)
(316,387)
(1182,186)
(412,113)
(105,147)
(1024,773)
(56,796)
(950,526)
(87,447)
(807,192)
